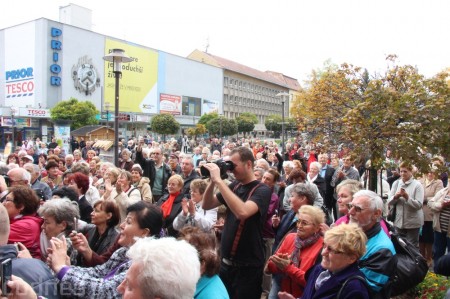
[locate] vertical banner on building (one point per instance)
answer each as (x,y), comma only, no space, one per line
(138,84)
(19,65)
(62,136)
(169,104)
(210,106)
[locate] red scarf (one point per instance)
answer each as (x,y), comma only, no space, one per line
(166,207)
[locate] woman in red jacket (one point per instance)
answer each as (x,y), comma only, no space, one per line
(299,251)
(22,204)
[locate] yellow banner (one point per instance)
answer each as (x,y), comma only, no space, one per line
(138,85)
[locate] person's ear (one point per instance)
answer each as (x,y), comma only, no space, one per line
(146,233)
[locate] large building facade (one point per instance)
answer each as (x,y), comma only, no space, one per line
(43,62)
(248,90)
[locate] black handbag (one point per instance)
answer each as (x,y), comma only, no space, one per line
(411,265)
(392,212)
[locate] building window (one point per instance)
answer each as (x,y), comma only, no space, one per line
(192,106)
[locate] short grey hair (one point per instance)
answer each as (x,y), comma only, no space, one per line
(265,165)
(24,175)
(157,259)
(376,203)
(288,164)
(62,209)
(260,171)
(315,164)
(303,189)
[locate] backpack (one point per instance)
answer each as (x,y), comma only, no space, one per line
(411,266)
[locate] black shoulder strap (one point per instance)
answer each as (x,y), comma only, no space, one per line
(241,223)
(358,277)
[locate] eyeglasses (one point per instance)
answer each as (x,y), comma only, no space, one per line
(357,209)
(303,223)
(331,249)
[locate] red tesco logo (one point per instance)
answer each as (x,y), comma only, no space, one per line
(20,87)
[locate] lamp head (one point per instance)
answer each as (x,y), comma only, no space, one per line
(117,56)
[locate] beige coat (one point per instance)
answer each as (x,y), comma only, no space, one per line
(435,204)
(430,190)
(144,187)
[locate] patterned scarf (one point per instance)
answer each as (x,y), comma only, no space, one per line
(299,244)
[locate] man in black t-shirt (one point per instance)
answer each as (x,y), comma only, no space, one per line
(242,246)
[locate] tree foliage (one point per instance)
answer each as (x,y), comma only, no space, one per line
(273,123)
(205,118)
(199,129)
(165,124)
(399,109)
(80,113)
(246,122)
(229,126)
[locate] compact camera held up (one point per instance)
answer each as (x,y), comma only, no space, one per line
(224,167)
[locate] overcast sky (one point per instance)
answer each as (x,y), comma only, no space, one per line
(288,36)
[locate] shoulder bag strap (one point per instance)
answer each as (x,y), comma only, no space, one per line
(237,237)
(358,277)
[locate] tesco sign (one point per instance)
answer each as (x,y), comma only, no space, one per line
(31,112)
(19,82)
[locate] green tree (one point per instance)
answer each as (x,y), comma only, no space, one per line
(399,109)
(164,124)
(80,113)
(199,129)
(273,123)
(229,126)
(205,118)
(246,122)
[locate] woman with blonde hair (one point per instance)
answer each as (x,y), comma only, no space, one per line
(299,251)
(338,275)
(171,203)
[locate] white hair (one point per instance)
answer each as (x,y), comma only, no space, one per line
(315,164)
(376,203)
(262,163)
(288,164)
(170,268)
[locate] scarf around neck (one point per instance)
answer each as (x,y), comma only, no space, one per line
(299,244)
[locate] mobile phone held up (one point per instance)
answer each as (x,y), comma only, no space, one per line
(6,271)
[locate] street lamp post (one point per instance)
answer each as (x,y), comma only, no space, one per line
(282,95)
(117,57)
(220,120)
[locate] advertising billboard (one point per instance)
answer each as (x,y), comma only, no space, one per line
(20,65)
(138,84)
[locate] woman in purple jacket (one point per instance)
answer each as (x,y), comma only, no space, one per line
(338,275)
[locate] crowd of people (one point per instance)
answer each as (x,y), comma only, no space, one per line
(259,222)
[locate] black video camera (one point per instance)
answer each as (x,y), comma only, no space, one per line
(224,166)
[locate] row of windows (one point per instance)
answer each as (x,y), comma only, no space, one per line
(232,100)
(251,87)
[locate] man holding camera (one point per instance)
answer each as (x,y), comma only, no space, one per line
(242,246)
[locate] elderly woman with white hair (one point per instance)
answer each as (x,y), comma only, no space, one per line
(313,176)
(152,273)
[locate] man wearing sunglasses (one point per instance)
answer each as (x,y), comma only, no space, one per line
(378,262)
